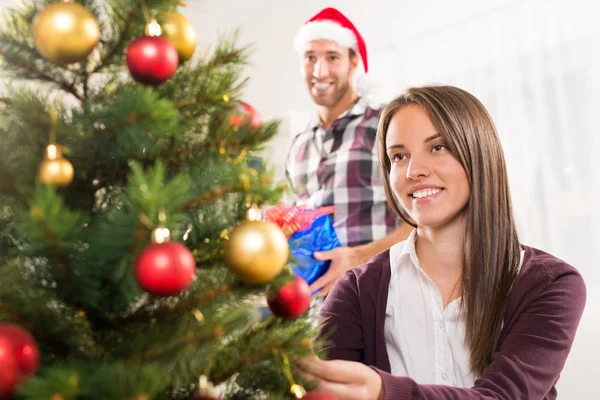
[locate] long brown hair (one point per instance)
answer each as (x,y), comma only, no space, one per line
(491,255)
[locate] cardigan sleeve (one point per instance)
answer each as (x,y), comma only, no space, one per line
(529,360)
(341,325)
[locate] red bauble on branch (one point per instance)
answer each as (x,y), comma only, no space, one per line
(291,300)
(152,59)
(165,268)
(9,373)
(25,348)
(244,114)
(19,357)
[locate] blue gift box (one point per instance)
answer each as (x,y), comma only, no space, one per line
(320,236)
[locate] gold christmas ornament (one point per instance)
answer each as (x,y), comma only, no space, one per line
(65,32)
(55,170)
(256,251)
(180,32)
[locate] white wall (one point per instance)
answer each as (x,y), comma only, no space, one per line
(272,24)
(276,86)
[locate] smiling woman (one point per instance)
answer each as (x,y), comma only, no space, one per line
(461,309)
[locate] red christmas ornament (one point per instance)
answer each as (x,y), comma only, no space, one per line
(165,269)
(25,348)
(245,114)
(291,300)
(19,357)
(9,372)
(152,59)
(318,396)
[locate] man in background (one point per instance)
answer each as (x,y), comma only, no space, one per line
(334,160)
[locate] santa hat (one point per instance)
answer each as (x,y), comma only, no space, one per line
(330,24)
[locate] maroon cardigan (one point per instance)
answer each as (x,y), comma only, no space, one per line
(543,310)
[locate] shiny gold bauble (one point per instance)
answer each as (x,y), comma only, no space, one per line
(65,33)
(180,32)
(256,251)
(57,172)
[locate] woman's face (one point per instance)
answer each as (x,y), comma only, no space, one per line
(428,181)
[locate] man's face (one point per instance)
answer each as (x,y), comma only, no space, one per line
(328,69)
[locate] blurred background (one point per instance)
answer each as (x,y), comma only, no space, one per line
(535,64)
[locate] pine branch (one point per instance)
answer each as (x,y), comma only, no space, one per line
(246,139)
(190,338)
(14,316)
(123,36)
(127,120)
(204,100)
(229,57)
(210,196)
(255,355)
(40,75)
(144,316)
(186,153)
(9,183)
(61,268)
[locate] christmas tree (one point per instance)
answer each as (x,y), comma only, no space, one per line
(128,172)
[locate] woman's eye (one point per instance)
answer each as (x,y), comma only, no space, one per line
(398,157)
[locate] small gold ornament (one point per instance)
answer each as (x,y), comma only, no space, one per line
(65,32)
(256,251)
(55,170)
(180,32)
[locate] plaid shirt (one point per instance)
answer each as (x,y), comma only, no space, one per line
(340,167)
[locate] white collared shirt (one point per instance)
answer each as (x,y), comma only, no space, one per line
(424,341)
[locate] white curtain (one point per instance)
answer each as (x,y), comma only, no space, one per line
(535,64)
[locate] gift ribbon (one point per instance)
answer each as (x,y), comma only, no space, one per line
(296,218)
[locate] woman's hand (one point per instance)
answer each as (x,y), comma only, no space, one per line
(346,380)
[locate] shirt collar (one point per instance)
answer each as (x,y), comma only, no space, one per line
(358,108)
(407,249)
(404,249)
